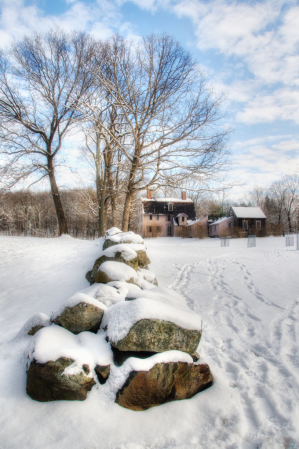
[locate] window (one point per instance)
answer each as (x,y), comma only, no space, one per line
(168,217)
(157,217)
(170,207)
(183,218)
(168,231)
(258,225)
(229,225)
(151,217)
(245,225)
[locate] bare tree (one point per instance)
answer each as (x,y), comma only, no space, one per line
(168,114)
(42,79)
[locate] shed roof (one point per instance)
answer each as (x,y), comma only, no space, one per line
(220,220)
(248,212)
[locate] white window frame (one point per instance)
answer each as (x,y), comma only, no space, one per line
(170,207)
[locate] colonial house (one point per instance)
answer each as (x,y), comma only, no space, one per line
(242,220)
(166,217)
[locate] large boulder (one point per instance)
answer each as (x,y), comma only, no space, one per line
(116,253)
(143,259)
(111,240)
(116,271)
(61,365)
(47,381)
(161,378)
(80,313)
(147,325)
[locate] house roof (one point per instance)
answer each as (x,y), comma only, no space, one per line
(248,212)
(168,200)
(220,220)
(192,222)
(180,206)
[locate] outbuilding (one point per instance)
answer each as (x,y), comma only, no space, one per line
(249,220)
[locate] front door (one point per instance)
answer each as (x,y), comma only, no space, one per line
(168,231)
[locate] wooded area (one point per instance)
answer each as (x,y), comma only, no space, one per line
(33,213)
(149,118)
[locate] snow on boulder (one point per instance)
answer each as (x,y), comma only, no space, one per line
(162,378)
(33,325)
(116,271)
(151,326)
(143,259)
(116,253)
(60,365)
(124,237)
(149,276)
(80,313)
(107,294)
(111,240)
(131,237)
(112,231)
(123,285)
(161,294)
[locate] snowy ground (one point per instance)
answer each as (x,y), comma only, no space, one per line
(249,301)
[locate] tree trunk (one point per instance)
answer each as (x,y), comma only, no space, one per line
(289,220)
(101,189)
(126,213)
(62,224)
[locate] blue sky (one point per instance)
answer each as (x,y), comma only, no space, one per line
(249,50)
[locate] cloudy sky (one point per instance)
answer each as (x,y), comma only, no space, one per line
(249,50)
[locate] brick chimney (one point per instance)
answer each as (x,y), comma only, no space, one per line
(183,195)
(149,195)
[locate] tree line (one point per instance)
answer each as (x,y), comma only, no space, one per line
(147,114)
(32,213)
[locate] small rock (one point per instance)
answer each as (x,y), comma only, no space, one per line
(35,329)
(102,373)
(195,357)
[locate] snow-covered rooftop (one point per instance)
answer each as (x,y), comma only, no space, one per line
(248,212)
(168,200)
(192,222)
(220,220)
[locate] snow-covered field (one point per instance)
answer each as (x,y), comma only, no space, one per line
(248,299)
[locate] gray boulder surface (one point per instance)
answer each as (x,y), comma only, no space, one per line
(82,317)
(158,336)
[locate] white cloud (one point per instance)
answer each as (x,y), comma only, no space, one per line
(264,36)
(101,19)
